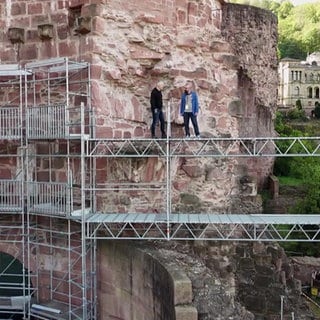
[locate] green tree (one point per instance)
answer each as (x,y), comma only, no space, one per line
(284,10)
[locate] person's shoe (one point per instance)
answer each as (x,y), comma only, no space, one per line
(187,137)
(154,137)
(164,136)
(198,136)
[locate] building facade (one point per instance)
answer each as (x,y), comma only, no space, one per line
(299,80)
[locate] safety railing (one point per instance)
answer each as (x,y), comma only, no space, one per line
(46,122)
(50,198)
(53,122)
(11,196)
(10,123)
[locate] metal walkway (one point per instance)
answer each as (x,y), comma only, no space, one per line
(231,227)
(205,147)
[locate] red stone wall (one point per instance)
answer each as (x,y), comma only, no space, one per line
(252,34)
(133,285)
(228,51)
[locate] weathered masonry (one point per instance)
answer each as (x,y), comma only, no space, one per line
(77,162)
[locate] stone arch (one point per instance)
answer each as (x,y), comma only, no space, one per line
(309,90)
(296,91)
(17,252)
(11,276)
(131,282)
(316,92)
(134,282)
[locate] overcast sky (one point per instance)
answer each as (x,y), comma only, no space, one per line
(297,2)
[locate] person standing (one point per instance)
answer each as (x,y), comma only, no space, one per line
(189,108)
(156,109)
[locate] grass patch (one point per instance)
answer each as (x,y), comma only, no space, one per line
(290,181)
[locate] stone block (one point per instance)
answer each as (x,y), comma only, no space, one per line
(274,186)
(189,199)
(18,8)
(45,31)
(34,8)
(192,171)
(186,313)
(29,52)
(91,10)
(83,25)
(16,35)
(182,287)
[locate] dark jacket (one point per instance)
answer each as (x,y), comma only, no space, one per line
(156,99)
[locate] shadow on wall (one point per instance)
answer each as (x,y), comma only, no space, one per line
(133,285)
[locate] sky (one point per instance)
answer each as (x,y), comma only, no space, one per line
(297,2)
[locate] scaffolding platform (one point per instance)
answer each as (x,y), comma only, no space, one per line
(214,227)
(14,304)
(207,147)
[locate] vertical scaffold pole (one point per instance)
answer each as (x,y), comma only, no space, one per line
(83,226)
(168,160)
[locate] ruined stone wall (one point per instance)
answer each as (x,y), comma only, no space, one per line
(252,34)
(228,52)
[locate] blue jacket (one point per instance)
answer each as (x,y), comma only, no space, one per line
(194,102)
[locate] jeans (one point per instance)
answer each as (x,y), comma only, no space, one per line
(186,119)
(157,115)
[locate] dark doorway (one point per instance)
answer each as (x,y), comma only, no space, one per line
(14,280)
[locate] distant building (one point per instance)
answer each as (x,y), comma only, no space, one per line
(299,80)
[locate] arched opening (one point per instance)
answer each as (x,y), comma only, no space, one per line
(296,91)
(14,281)
(309,92)
(316,93)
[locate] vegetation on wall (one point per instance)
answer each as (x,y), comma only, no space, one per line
(306,170)
(299,26)
(299,35)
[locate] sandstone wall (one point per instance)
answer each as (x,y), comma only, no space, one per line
(252,34)
(228,51)
(133,285)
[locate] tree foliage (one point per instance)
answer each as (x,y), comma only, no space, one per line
(307,170)
(298,26)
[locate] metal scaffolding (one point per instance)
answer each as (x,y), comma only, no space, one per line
(57,116)
(14,284)
(45,112)
(170,225)
(50,206)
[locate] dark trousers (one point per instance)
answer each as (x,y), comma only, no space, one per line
(157,115)
(186,119)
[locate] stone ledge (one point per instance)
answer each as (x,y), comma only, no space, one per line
(182,287)
(186,313)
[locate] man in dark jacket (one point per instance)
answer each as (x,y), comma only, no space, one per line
(156,109)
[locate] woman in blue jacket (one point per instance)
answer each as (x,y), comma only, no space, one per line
(189,108)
